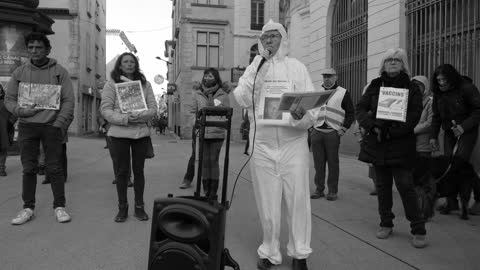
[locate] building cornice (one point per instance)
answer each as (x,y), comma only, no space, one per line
(203,21)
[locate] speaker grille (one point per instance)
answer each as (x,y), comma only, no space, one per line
(174,255)
(183,223)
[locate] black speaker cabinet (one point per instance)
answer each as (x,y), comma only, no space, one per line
(187,234)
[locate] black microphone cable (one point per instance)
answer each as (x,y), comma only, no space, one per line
(252,145)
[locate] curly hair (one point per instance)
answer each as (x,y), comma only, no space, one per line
(117,72)
(37,36)
(451,75)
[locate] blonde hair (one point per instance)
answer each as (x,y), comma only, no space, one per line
(396,53)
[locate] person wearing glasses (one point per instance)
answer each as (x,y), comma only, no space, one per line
(391,145)
(279,154)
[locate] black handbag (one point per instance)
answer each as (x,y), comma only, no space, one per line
(150,153)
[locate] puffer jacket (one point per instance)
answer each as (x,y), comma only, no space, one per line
(219,98)
(461,104)
(424,126)
(397,145)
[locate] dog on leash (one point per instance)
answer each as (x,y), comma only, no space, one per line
(446,177)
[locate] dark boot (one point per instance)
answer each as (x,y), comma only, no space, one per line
(122,213)
(299,264)
(41,170)
(450,205)
(206,187)
(213,189)
(129,184)
(3,172)
(140,213)
(46,181)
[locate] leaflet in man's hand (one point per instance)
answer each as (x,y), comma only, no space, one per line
(307,100)
(268,113)
(43,96)
(392,104)
(130,96)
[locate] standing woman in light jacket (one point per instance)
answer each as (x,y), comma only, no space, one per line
(129,134)
(211,93)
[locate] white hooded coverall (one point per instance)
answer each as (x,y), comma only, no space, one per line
(280,156)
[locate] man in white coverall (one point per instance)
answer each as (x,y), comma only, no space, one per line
(280,155)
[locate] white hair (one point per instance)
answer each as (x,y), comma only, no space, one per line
(396,53)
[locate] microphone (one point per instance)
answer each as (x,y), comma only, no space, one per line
(263,60)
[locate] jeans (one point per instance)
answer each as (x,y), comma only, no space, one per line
(421,167)
(191,161)
(3,158)
(404,182)
(64,160)
(108,139)
(325,147)
(120,151)
(211,155)
(29,138)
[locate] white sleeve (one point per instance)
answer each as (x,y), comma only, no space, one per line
(303,83)
(243,92)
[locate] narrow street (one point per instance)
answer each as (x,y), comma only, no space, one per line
(343,232)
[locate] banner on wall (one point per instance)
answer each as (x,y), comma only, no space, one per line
(12,49)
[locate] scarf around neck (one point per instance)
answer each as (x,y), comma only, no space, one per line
(209,90)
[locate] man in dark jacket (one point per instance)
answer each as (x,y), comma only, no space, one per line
(456,108)
(47,124)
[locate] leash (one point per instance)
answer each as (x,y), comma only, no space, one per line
(455,148)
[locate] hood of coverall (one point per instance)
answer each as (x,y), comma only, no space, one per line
(283,49)
(426,84)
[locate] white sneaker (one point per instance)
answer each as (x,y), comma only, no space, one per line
(62,215)
(23,216)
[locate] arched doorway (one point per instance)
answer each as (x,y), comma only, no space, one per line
(349,44)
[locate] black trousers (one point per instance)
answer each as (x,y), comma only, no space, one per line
(123,149)
(461,160)
(404,182)
(29,138)
(190,173)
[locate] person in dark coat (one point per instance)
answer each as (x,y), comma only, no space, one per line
(390,145)
(7,130)
(456,108)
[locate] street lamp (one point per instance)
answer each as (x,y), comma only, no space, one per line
(158,57)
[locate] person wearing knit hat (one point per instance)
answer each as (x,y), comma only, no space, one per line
(279,154)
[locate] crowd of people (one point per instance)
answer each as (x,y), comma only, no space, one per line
(396,151)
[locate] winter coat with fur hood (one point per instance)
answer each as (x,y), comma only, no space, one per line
(218,98)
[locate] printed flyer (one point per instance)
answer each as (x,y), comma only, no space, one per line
(44,96)
(268,108)
(392,104)
(130,96)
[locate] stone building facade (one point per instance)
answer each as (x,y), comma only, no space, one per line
(211,33)
(79,45)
